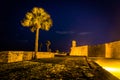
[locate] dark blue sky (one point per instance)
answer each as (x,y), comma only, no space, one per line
(86,21)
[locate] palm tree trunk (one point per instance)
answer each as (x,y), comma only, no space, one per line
(47,48)
(36,42)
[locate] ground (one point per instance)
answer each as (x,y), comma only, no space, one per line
(60,68)
(111,65)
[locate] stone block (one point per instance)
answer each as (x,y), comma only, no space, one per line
(44,55)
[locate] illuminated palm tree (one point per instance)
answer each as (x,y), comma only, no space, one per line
(37,19)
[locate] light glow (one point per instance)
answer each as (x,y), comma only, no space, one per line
(111,65)
(110,69)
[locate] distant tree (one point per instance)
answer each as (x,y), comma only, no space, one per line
(57,51)
(37,19)
(48,43)
(40,46)
(50,50)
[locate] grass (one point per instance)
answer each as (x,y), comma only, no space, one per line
(58,68)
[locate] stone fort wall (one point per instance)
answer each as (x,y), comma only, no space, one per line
(15,56)
(107,50)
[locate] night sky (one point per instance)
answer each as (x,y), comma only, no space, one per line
(86,21)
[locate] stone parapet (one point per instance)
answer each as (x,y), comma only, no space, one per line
(79,51)
(15,56)
(44,55)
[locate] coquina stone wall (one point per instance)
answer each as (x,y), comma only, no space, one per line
(107,50)
(11,56)
(79,51)
(28,55)
(15,56)
(96,50)
(4,56)
(44,55)
(113,49)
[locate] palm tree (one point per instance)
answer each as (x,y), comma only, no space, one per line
(40,46)
(48,43)
(37,19)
